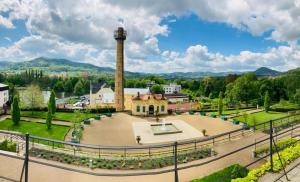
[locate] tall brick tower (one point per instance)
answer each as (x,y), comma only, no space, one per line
(120,36)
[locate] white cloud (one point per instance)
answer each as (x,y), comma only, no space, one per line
(6,22)
(83,30)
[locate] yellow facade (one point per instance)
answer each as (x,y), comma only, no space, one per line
(151,106)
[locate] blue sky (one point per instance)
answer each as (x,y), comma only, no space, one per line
(173,35)
(219,37)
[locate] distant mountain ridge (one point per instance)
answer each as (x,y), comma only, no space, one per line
(64,65)
(264,71)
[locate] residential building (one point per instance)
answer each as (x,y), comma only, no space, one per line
(4,97)
(172,88)
(101,96)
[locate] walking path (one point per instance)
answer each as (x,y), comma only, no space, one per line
(41,173)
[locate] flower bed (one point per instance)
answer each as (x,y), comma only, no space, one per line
(124,164)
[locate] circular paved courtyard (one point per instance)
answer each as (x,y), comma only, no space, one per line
(118,130)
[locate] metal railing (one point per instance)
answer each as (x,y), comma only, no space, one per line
(172,149)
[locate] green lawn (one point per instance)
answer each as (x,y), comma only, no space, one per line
(65,116)
(38,129)
(228,112)
(260,117)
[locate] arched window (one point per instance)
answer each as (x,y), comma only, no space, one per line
(138,108)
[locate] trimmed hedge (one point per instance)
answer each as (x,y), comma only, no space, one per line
(122,164)
(225,175)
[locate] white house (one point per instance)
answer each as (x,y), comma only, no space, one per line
(172,88)
(101,96)
(4,95)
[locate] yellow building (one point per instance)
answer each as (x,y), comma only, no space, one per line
(149,104)
(129,93)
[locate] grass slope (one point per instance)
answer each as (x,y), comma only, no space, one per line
(37,129)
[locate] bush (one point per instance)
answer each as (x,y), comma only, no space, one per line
(8,146)
(226,174)
(281,144)
(287,156)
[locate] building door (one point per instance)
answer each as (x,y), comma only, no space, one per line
(151,109)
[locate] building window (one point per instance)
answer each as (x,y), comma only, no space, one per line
(162,108)
(138,109)
(157,108)
(144,109)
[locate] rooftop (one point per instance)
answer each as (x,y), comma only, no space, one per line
(3,85)
(136,90)
(148,97)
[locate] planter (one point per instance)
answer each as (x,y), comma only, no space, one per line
(191,112)
(246,127)
(108,114)
(236,122)
(224,118)
(97,117)
(87,121)
(213,115)
(74,140)
(178,113)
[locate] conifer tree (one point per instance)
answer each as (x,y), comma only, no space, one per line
(52,102)
(267,102)
(16,111)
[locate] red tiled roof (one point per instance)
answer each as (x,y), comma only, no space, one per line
(148,96)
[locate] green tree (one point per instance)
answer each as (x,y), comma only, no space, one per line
(245,88)
(59,86)
(15,111)
(297,97)
(32,98)
(156,89)
(52,103)
(49,117)
(68,86)
(220,104)
(78,89)
(267,101)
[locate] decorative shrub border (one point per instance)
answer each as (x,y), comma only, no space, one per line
(124,164)
(225,175)
(281,144)
(287,156)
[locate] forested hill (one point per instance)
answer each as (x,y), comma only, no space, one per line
(63,65)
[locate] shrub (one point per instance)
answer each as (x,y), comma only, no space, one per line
(287,156)
(226,174)
(281,144)
(8,146)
